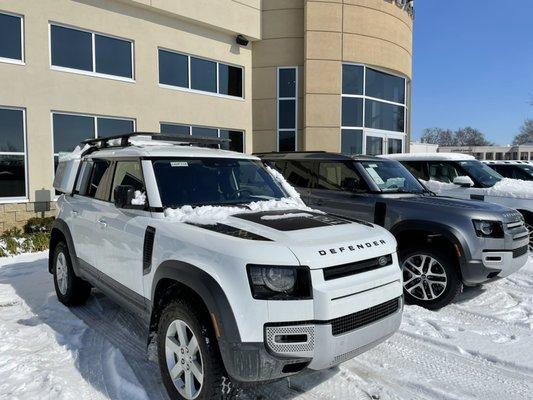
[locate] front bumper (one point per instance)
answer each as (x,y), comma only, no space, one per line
(495,264)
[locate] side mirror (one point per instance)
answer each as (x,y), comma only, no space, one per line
(463,181)
(123,195)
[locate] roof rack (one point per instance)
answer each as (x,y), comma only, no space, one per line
(124,140)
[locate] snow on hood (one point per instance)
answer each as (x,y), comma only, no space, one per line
(507,187)
(210,215)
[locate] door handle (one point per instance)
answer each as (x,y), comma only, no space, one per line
(102,222)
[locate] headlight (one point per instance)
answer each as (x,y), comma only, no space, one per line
(269,282)
(490,229)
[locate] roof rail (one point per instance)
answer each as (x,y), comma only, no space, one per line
(124,140)
(290,152)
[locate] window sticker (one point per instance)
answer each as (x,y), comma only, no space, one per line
(179,164)
(374,175)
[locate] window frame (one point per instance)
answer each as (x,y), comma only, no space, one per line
(95,122)
(384,134)
(295,98)
(189,88)
(92,73)
(189,127)
(16,61)
(25,198)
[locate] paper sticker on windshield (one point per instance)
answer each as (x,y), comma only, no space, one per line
(372,172)
(179,164)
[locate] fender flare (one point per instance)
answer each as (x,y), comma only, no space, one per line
(452,234)
(62,227)
(207,288)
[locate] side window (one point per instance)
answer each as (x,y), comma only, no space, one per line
(94,178)
(443,172)
(418,169)
(299,173)
(128,173)
(339,176)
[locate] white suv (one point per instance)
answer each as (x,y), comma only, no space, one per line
(236,279)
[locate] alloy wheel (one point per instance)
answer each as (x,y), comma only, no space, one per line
(424,277)
(62,273)
(184,359)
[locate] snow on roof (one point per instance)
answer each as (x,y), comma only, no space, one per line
(429,157)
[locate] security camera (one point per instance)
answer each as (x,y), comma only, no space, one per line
(241,40)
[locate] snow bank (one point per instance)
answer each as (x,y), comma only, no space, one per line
(505,188)
(73,155)
(285,216)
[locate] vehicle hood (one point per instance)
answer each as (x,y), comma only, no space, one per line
(316,239)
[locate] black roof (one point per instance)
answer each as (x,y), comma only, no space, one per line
(316,155)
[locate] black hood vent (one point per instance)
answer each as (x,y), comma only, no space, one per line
(232,231)
(292,220)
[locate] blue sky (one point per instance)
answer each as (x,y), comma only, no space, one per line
(473,65)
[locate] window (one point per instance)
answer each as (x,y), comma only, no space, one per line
(71,129)
(443,172)
(287,105)
(299,173)
(128,173)
(391,177)
(96,174)
(418,169)
(183,71)
(340,176)
(373,111)
(236,137)
(11,38)
(81,50)
(12,154)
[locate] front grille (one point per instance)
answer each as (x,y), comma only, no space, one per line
(520,251)
(358,267)
(361,318)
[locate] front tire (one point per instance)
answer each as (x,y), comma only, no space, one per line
(188,356)
(431,277)
(70,289)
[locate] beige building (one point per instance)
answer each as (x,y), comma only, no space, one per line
(270,75)
(522,152)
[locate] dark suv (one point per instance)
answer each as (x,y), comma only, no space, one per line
(443,242)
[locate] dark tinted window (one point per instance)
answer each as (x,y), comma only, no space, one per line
(173,69)
(213,181)
(287,140)
(208,132)
(417,168)
(203,75)
(374,145)
(127,173)
(352,111)
(237,140)
(11,131)
(394,146)
(352,79)
(70,130)
(230,80)
(352,141)
(113,126)
(287,82)
(339,175)
(384,86)
(96,185)
(175,129)
(71,48)
(299,173)
(384,116)
(12,176)
(113,56)
(10,37)
(287,114)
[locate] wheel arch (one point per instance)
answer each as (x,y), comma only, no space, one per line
(61,232)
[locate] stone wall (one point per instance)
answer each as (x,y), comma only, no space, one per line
(15,215)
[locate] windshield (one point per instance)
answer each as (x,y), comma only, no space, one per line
(213,181)
(528,169)
(391,176)
(480,172)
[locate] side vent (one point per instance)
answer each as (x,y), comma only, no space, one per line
(148,249)
(380,210)
(477,197)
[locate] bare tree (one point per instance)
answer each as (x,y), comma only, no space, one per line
(470,137)
(526,133)
(442,137)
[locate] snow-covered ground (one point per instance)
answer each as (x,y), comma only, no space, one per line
(480,347)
